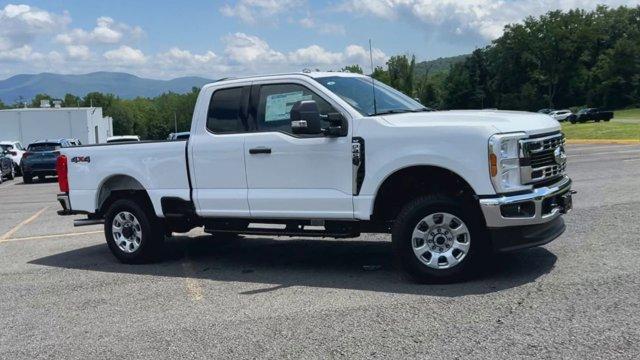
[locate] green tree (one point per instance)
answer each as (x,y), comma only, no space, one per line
(356,69)
(71,100)
(35,102)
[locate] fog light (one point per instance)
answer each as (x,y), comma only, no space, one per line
(523,209)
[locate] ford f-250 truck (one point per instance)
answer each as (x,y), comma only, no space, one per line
(317,154)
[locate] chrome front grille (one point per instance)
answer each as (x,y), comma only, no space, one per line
(542,158)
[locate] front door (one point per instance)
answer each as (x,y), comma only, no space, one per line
(291,176)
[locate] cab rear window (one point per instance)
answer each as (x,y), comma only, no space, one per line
(44,147)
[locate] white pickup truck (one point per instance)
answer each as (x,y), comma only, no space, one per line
(316,154)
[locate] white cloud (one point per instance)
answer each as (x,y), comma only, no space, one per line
(323,27)
(485,18)
(246,49)
(315,55)
(78,52)
(106,31)
(20,24)
(250,11)
(125,56)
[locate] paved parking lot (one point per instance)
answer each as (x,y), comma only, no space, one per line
(62,294)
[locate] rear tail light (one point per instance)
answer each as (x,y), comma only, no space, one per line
(26,155)
(62,170)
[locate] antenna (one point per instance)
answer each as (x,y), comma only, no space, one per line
(373,82)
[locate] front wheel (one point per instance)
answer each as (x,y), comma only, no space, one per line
(436,240)
(12,173)
(133,232)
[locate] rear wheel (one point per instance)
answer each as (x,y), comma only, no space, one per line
(436,240)
(28,179)
(133,232)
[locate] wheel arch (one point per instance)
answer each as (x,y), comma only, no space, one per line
(409,182)
(118,186)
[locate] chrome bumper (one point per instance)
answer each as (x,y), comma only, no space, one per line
(493,215)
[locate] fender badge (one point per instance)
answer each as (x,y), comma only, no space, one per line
(79,159)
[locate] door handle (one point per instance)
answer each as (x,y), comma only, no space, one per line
(260,150)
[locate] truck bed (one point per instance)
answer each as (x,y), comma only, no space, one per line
(160,167)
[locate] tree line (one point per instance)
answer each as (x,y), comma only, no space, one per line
(561,59)
(558,60)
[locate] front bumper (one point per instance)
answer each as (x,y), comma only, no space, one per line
(545,207)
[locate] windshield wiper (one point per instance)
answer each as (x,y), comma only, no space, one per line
(391,111)
(399,111)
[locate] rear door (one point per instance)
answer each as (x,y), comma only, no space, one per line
(293,176)
(217,154)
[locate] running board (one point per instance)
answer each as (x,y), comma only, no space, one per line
(284,232)
(87,222)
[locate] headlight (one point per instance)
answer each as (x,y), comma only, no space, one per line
(504,162)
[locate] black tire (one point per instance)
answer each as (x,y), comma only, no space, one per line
(412,214)
(152,231)
(27,178)
(18,170)
(572,121)
(12,173)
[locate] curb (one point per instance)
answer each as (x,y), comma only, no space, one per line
(603,141)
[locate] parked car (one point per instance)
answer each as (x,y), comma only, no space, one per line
(591,114)
(15,150)
(309,155)
(7,169)
(40,158)
(179,136)
(545,111)
(561,115)
(122,138)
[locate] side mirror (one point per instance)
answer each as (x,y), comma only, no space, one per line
(305,118)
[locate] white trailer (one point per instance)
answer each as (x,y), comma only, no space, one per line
(31,124)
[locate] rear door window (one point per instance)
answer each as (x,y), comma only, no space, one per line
(226,111)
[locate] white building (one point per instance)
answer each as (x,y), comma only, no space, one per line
(31,124)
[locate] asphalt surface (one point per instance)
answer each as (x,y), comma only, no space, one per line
(63,295)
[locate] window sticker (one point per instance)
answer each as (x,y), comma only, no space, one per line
(278,106)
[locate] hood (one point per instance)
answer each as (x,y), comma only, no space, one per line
(502,121)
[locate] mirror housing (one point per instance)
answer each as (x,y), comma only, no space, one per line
(305,118)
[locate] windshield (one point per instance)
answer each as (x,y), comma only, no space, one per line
(357,91)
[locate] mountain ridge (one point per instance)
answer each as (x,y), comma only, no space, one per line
(124,85)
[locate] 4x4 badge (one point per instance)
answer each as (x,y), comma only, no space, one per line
(78,159)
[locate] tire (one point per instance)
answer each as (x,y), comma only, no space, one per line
(140,232)
(18,170)
(460,256)
(12,173)
(27,179)
(572,121)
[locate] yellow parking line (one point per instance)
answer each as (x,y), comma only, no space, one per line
(19,226)
(194,290)
(54,236)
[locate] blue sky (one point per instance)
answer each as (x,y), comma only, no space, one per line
(165,39)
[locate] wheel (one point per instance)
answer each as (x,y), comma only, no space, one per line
(572,121)
(607,120)
(435,239)
(133,232)
(18,170)
(26,178)
(12,173)
(597,120)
